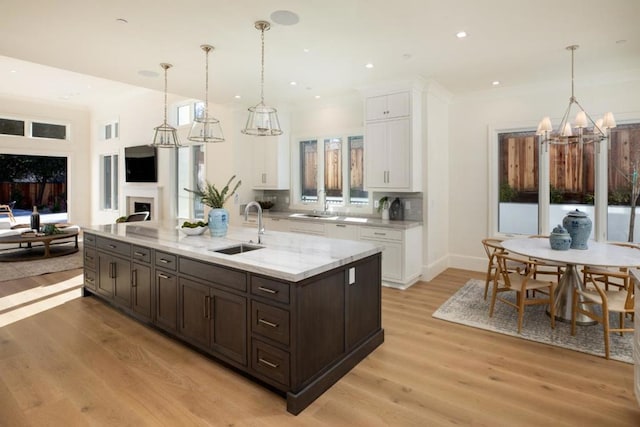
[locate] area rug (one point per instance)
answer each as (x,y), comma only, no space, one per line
(19,269)
(467,307)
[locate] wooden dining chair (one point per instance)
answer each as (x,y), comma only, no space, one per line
(618,278)
(492,247)
(548,268)
(613,301)
(521,281)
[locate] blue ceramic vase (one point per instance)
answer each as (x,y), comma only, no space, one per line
(560,239)
(579,226)
(218,222)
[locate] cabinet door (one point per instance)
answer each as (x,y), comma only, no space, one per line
(122,281)
(229,314)
(398,105)
(362,301)
(376,107)
(376,154)
(166,300)
(105,275)
(392,261)
(141,289)
(342,231)
(259,175)
(276,224)
(399,165)
(195,323)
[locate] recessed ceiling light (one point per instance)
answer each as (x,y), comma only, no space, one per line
(237,97)
(122,21)
(293,83)
(495,83)
(13,71)
(305,50)
(317,96)
(461,34)
(285,17)
(369,65)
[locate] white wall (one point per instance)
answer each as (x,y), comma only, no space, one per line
(470,119)
(76,149)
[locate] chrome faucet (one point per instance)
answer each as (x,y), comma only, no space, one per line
(260,223)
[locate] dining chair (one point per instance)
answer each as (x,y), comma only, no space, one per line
(616,277)
(548,268)
(521,281)
(492,247)
(618,301)
(138,216)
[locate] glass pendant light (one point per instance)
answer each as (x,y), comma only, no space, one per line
(206,129)
(165,136)
(262,120)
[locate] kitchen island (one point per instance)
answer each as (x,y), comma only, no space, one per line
(295,312)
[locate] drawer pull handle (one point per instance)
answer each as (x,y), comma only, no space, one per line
(139,253)
(112,246)
(163,276)
(266,322)
(341,225)
(269,364)
(164,261)
(89,280)
(88,257)
(380,234)
(267,290)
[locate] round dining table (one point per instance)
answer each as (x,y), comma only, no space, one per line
(598,254)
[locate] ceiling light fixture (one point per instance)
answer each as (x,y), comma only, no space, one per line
(206,129)
(495,83)
(262,120)
(165,136)
(369,65)
(587,129)
(461,34)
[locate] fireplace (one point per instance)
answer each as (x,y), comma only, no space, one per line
(142,207)
(143,198)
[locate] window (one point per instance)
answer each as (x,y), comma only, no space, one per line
(534,187)
(48,130)
(190,174)
(111,130)
(12,127)
(109,166)
(338,164)
(184,114)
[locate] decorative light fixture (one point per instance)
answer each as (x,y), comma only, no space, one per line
(165,136)
(586,129)
(262,120)
(206,129)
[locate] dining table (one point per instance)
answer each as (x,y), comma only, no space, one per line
(599,254)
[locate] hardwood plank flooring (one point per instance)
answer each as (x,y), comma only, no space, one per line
(85,363)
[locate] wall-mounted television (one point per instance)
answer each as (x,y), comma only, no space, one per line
(141,164)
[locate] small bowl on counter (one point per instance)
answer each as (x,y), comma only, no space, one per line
(194,230)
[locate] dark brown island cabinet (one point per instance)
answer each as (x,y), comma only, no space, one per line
(298,337)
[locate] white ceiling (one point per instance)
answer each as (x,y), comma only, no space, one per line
(514,41)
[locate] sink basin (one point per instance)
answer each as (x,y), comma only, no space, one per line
(315,215)
(237,249)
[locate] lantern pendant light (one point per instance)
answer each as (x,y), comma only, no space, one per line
(262,120)
(165,136)
(206,129)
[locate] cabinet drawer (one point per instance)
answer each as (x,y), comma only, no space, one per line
(307,227)
(90,279)
(380,233)
(214,274)
(271,289)
(90,258)
(270,361)
(142,254)
(270,322)
(165,260)
(115,246)
(88,239)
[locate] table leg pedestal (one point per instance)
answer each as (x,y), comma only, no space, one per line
(564,297)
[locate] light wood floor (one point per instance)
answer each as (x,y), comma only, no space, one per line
(84,363)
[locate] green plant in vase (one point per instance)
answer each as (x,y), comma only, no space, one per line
(210,196)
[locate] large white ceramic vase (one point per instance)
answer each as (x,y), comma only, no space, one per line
(218,222)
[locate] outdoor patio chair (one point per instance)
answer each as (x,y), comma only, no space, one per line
(8,210)
(521,281)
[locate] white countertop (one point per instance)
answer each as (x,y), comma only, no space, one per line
(287,256)
(342,219)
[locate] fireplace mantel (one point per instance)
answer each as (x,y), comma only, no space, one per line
(151,194)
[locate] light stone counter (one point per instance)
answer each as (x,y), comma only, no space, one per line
(287,256)
(342,219)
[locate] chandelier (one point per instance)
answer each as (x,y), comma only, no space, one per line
(262,120)
(165,136)
(584,128)
(206,129)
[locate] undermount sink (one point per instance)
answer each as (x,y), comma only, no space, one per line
(315,215)
(237,249)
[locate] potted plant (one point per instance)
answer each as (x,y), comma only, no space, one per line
(215,199)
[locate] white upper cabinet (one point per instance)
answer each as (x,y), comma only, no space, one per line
(270,163)
(393,140)
(388,106)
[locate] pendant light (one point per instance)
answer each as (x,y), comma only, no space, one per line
(165,136)
(206,129)
(262,120)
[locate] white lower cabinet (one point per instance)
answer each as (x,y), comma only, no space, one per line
(307,227)
(342,231)
(276,224)
(401,254)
